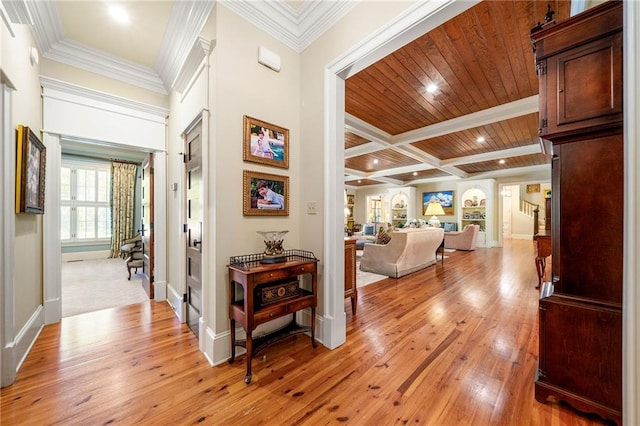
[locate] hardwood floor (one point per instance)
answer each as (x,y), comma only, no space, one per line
(454,344)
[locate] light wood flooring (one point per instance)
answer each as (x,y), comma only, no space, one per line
(454,344)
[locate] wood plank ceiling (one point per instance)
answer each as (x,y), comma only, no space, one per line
(482,63)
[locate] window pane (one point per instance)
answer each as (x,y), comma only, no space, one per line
(86,222)
(104,222)
(65,222)
(65,183)
(104,185)
(86,185)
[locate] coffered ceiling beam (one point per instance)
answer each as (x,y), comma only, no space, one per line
(490,115)
(494,155)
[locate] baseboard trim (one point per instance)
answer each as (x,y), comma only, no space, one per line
(52,310)
(85,255)
(160,291)
(521,237)
(27,337)
(216,347)
(174,299)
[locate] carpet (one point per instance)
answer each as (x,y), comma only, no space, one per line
(92,285)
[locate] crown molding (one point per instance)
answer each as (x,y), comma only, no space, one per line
(184,27)
(193,64)
(17,12)
(47,25)
(316,17)
(296,29)
(99,62)
(75,90)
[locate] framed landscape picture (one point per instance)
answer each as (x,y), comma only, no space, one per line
(265,194)
(265,143)
(445,198)
(30,171)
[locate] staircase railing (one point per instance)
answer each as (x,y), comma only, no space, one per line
(531,209)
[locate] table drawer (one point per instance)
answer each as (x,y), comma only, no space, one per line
(302,269)
(269,313)
(264,277)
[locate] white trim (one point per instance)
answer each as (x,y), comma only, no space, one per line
(27,336)
(85,255)
(297,28)
(174,298)
(414,22)
(186,23)
(159,222)
(102,97)
(7,235)
(102,63)
(194,65)
(51,253)
(18,12)
(631,261)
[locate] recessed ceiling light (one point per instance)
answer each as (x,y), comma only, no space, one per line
(480,139)
(359,181)
(375,161)
(502,161)
(415,173)
(431,88)
(119,14)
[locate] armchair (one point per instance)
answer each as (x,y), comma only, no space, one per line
(462,240)
(132,249)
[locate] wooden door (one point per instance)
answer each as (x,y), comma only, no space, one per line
(193,180)
(147,225)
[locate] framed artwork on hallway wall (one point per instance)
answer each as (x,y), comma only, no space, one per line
(30,172)
(265,143)
(265,194)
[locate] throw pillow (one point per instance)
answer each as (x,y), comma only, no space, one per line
(384,236)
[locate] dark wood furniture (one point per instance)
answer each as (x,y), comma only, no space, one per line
(250,275)
(579,64)
(547,214)
(350,288)
(543,250)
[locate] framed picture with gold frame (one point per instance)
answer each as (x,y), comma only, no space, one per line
(535,187)
(265,143)
(265,194)
(30,171)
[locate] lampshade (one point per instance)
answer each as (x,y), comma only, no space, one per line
(434,208)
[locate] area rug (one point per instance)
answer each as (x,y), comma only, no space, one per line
(365,278)
(92,285)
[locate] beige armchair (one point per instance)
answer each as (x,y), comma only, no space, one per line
(462,240)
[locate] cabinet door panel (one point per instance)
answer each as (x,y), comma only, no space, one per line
(584,87)
(582,350)
(590,226)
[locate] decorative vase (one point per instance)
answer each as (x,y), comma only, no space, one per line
(273,252)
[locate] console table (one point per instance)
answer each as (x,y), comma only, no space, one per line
(543,250)
(251,275)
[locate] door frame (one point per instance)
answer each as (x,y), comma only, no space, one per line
(142,124)
(405,28)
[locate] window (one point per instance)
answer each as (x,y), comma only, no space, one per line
(85,195)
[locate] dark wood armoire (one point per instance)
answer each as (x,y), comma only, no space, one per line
(579,64)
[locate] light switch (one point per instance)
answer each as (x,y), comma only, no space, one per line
(311,207)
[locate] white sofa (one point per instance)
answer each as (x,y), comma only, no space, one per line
(408,251)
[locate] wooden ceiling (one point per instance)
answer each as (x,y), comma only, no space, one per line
(483,65)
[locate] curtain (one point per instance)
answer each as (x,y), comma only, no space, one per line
(123,179)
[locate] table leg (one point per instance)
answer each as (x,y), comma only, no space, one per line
(232,332)
(354,302)
(540,267)
(247,377)
(313,327)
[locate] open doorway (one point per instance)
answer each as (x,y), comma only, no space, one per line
(93,179)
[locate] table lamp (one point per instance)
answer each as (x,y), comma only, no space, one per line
(434,208)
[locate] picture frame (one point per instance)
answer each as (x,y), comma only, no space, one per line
(445,198)
(535,187)
(265,143)
(272,201)
(30,171)
(350,199)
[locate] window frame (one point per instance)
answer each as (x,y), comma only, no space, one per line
(74,203)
